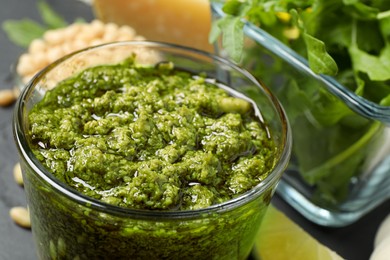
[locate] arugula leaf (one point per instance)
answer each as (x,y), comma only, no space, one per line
(232,7)
(319,59)
(233,36)
(23,32)
(51,18)
(215,31)
(377,68)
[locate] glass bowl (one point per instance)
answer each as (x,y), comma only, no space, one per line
(339,170)
(68,224)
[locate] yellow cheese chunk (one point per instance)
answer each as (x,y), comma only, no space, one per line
(184,22)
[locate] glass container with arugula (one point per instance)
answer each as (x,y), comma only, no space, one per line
(329,64)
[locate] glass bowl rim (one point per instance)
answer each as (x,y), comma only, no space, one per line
(25,152)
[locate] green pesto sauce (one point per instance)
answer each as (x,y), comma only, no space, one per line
(150,138)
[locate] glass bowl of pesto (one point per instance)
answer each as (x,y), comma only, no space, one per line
(340,163)
(145,150)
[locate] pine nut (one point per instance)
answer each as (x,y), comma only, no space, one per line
(18,174)
(37,45)
(7,97)
(58,42)
(20,216)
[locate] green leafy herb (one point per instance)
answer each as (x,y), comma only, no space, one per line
(233,40)
(22,32)
(376,67)
(51,18)
(319,60)
(347,39)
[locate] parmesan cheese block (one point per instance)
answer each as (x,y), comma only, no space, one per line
(184,22)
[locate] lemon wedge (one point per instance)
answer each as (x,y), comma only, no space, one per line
(280,238)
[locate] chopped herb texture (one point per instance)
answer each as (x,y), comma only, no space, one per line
(158,148)
(150,138)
